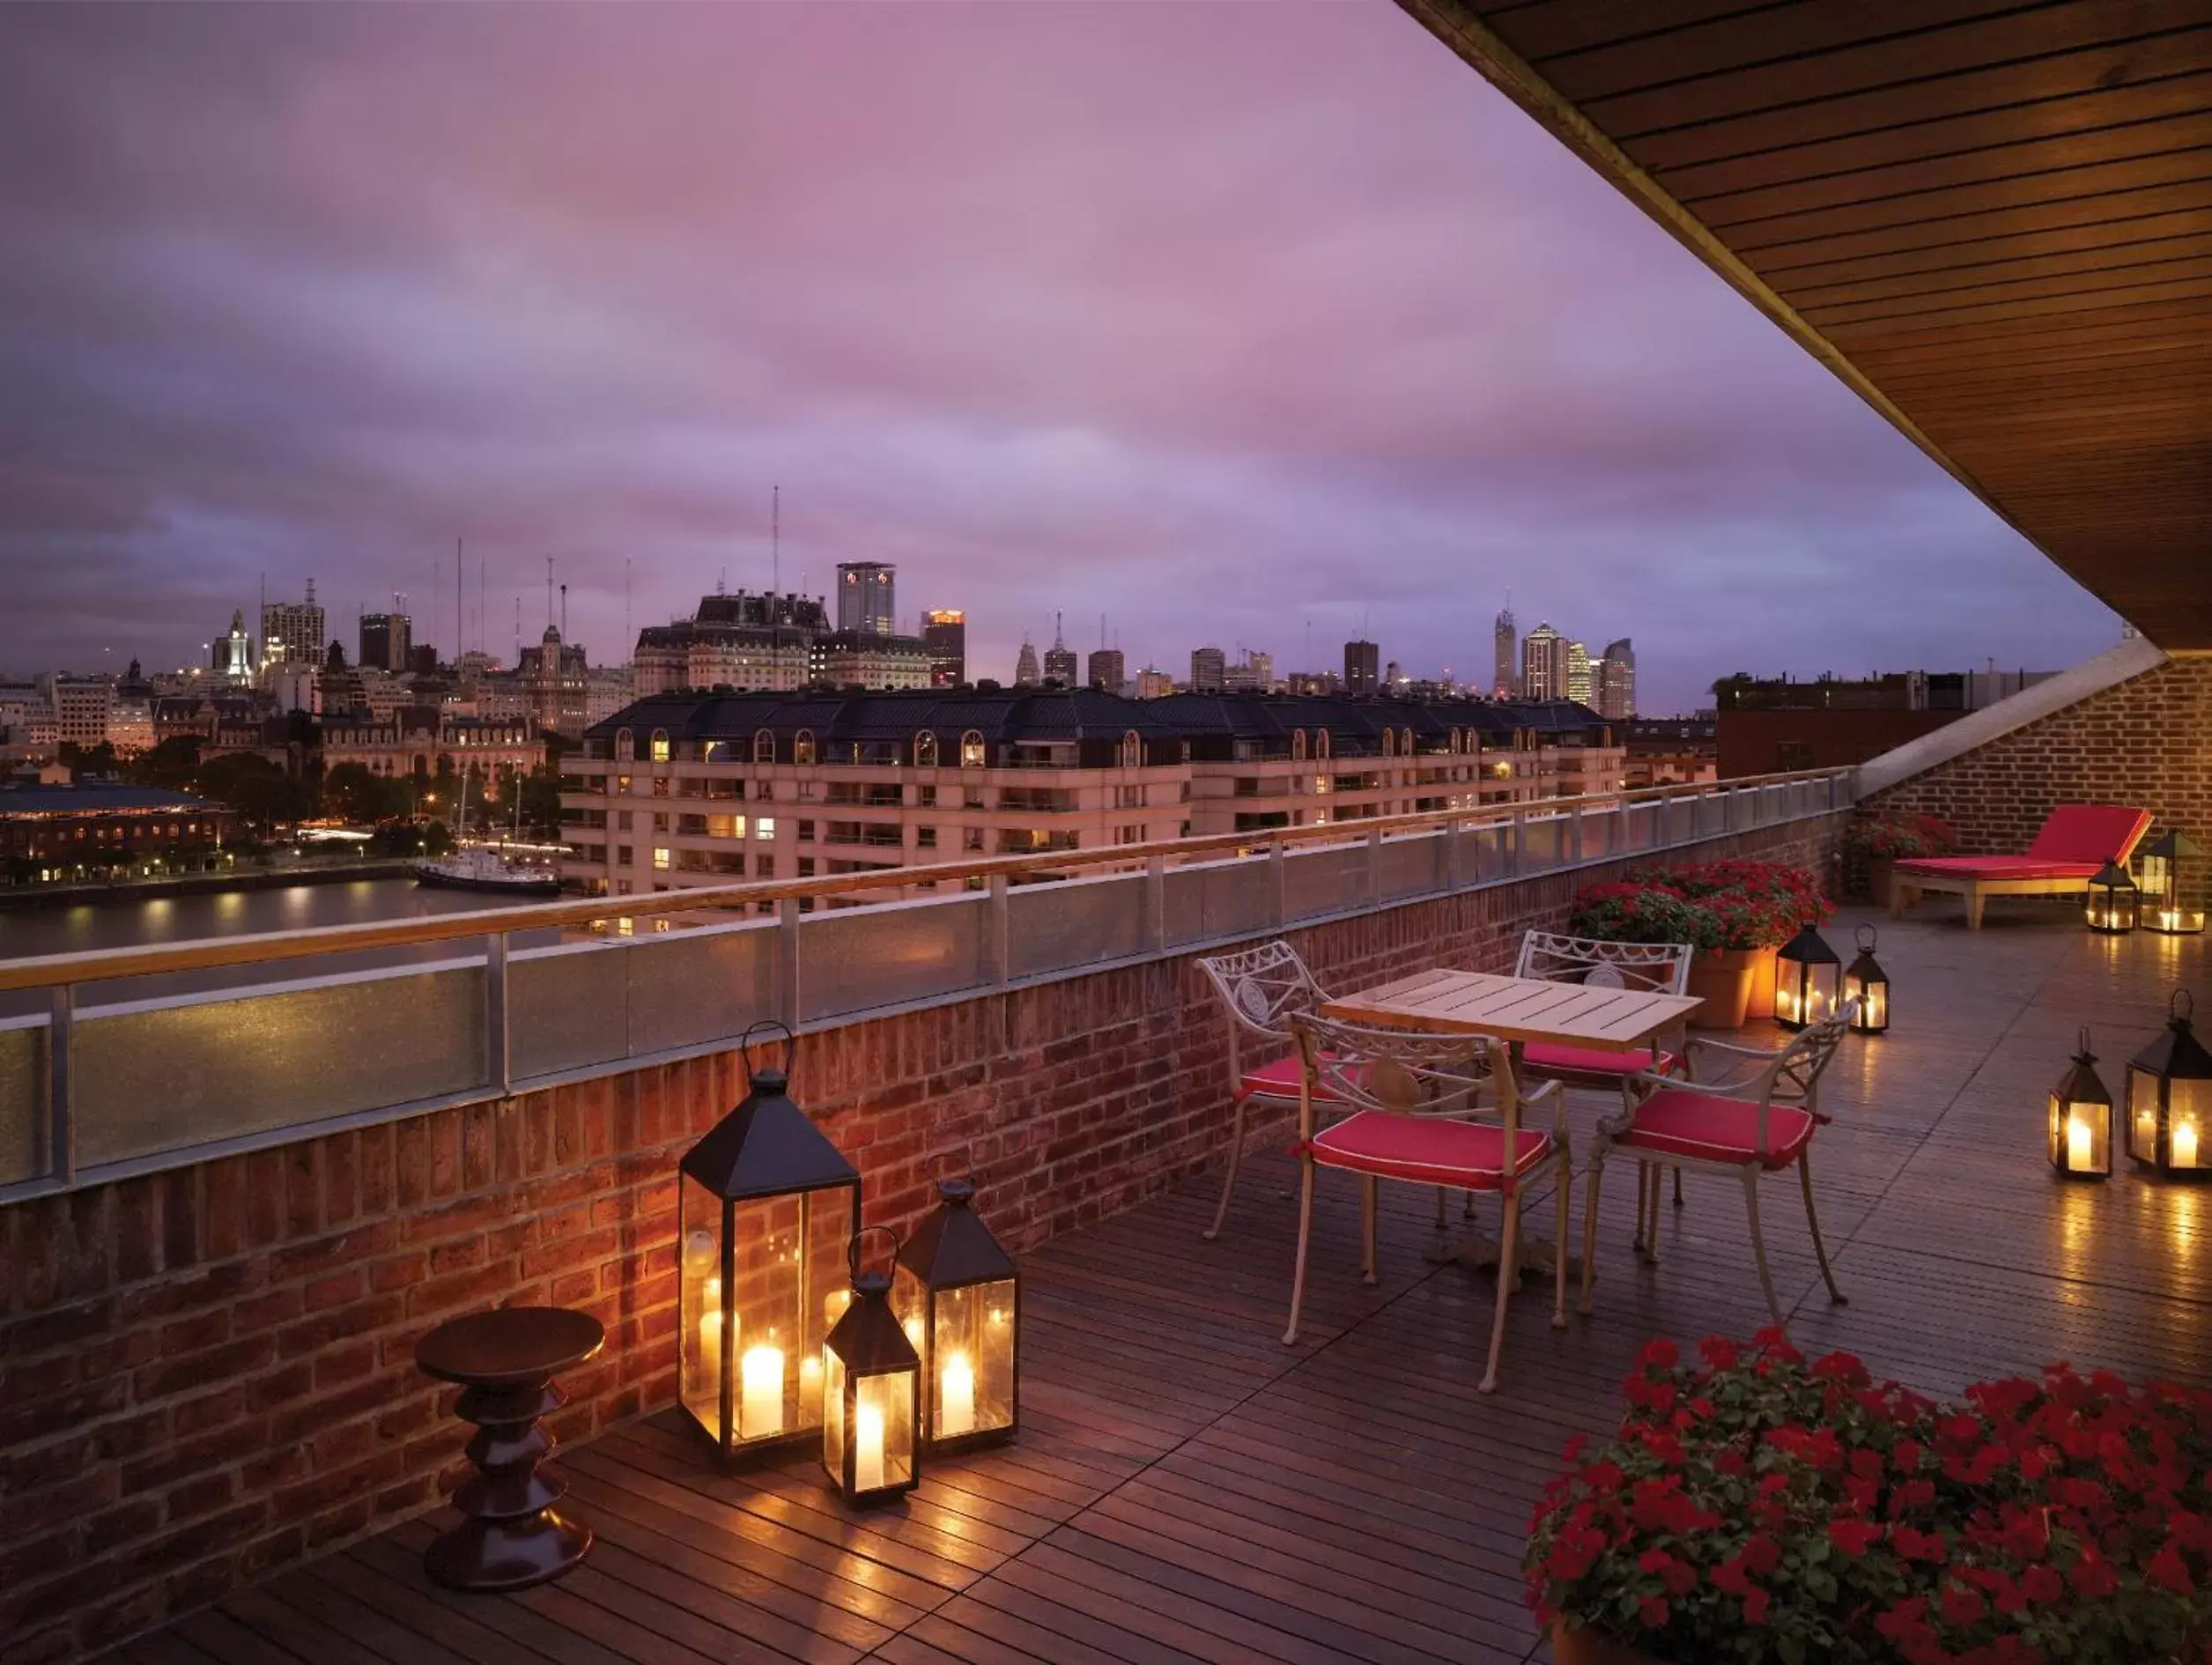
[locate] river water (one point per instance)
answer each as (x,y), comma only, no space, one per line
(140,922)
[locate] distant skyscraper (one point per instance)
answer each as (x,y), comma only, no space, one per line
(1060,659)
(1363,662)
(387,639)
(1254,673)
(946,630)
(232,655)
(1505,640)
(292,632)
(1025,666)
(1207,668)
(1154,684)
(1543,664)
(1617,682)
(866,595)
(1581,686)
(1106,670)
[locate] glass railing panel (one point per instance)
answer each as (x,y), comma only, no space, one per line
(1212,899)
(1082,923)
(146,1079)
(689,989)
(855,960)
(22,1098)
(1413,866)
(1323,881)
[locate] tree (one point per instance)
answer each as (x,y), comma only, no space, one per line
(352,793)
(173,765)
(262,793)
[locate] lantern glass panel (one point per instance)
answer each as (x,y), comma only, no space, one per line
(700,1303)
(2189,1122)
(833,1412)
(972,1360)
(2081,1135)
(883,1433)
(2111,900)
(1873,995)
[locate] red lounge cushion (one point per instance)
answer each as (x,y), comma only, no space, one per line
(1997,867)
(1470,1154)
(1279,1080)
(1681,1122)
(1543,1058)
(2092,832)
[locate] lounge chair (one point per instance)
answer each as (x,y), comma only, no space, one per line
(2074,843)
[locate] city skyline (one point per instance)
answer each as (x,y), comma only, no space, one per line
(1000,357)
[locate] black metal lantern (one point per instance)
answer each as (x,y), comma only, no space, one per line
(2173,887)
(765,1213)
(2081,1135)
(2111,900)
(957,1291)
(1808,980)
(1868,984)
(870,1426)
(2170,1098)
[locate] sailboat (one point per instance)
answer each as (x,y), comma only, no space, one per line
(486,866)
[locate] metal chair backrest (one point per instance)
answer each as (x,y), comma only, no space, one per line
(1795,1071)
(1263,987)
(1400,1071)
(1660,968)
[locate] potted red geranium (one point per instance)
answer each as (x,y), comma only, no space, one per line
(1757,1507)
(1762,905)
(1873,845)
(1735,913)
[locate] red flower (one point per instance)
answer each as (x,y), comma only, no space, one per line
(2169,1570)
(1653,1611)
(1659,1353)
(1761,1555)
(1718,1352)
(1730,1578)
(1755,1604)
(1960,1605)
(2042,1586)
(1854,1538)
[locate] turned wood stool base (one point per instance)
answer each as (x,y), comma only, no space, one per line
(511,1535)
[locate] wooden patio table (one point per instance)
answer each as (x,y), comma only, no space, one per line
(1515,1010)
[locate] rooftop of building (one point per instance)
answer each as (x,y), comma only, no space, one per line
(92,797)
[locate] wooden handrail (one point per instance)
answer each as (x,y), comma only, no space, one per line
(210,953)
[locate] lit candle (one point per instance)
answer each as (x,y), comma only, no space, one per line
(2184,1144)
(911,1325)
(710,1334)
(810,1388)
(867,1446)
(956,1397)
(762,1369)
(833,1305)
(2077,1145)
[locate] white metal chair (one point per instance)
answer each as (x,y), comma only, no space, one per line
(1262,989)
(1657,967)
(1411,1098)
(1749,1114)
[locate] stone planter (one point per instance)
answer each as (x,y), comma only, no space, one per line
(1879,869)
(1764,969)
(1721,978)
(1576,1645)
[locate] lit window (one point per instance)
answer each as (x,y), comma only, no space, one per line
(763,826)
(803,746)
(972,750)
(661,857)
(660,745)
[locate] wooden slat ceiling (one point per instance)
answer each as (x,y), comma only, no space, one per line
(1994,220)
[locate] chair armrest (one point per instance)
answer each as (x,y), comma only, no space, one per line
(1699,1043)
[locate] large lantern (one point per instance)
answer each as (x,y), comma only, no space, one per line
(1808,980)
(765,1213)
(2081,1136)
(1868,984)
(2173,886)
(2170,1098)
(2111,900)
(956,1289)
(871,1436)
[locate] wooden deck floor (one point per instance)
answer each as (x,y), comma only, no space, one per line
(1189,1490)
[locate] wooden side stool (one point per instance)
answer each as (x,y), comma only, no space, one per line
(506,1361)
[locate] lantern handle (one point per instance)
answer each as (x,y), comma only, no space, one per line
(744,1046)
(852,1249)
(2181,1006)
(2082,1053)
(1865,937)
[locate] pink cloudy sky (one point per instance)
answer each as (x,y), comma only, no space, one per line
(1224,320)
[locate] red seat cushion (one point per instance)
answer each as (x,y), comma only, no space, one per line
(1679,1122)
(1466,1154)
(2092,832)
(1542,1058)
(1998,866)
(1279,1080)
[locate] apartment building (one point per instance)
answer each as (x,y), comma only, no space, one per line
(417,741)
(778,642)
(692,790)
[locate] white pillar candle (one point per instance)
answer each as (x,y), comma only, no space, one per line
(867,1446)
(2184,1144)
(2078,1158)
(956,1397)
(810,1388)
(762,1369)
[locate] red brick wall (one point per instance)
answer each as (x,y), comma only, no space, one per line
(209,1373)
(2147,742)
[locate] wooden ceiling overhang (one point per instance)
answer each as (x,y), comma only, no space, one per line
(1994,221)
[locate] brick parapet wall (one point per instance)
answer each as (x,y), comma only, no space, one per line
(2145,742)
(209,1373)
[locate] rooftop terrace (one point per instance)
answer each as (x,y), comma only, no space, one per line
(1186,1488)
